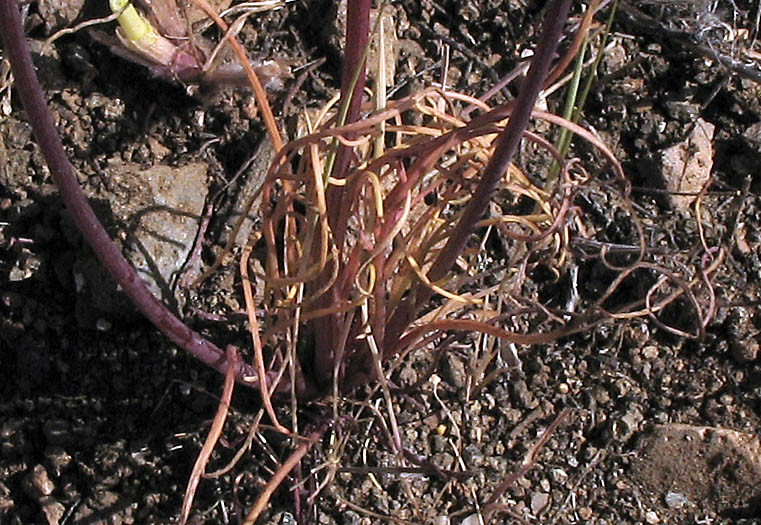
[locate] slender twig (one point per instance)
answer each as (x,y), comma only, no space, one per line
(259,94)
(277,479)
(211,440)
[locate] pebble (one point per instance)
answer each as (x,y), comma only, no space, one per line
(650,352)
(472,456)
(539,502)
(559,475)
(675,500)
(60,13)
(628,424)
(523,395)
(37,483)
(687,166)
(651,517)
(453,371)
(620,388)
(473,519)
(160,209)
(58,459)
(52,510)
(6,503)
(585,513)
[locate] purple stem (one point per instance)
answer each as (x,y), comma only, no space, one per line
(507,145)
(29,90)
(327,331)
(357,37)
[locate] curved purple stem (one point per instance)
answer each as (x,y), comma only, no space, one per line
(29,90)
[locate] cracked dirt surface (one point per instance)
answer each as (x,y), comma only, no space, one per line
(101,418)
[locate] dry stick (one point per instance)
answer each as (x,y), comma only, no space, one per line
(253,327)
(259,94)
(70,30)
(277,479)
(468,325)
(211,440)
(242,450)
(62,172)
(528,462)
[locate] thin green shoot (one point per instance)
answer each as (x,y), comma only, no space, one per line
(575,101)
(564,138)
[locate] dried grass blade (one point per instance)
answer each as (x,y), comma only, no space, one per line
(214,432)
(253,326)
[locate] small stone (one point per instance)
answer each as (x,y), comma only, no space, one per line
(26,266)
(52,510)
(585,513)
(432,421)
(473,519)
(650,352)
(620,388)
(59,13)
(559,475)
(726,399)
(752,136)
(453,371)
(158,210)
(523,395)
(675,500)
(601,395)
(58,459)
(37,483)
(625,427)
(682,111)
(6,503)
(687,166)
(539,502)
(408,375)
(472,456)
(651,517)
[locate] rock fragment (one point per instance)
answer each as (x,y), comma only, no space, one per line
(37,483)
(52,510)
(686,167)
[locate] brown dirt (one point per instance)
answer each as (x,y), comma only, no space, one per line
(101,419)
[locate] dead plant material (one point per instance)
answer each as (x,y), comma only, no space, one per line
(214,432)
